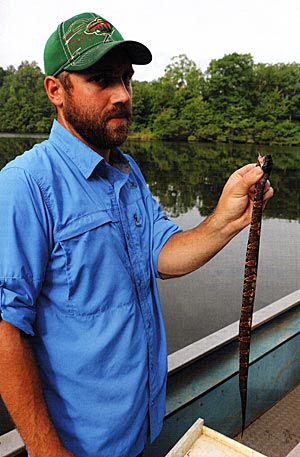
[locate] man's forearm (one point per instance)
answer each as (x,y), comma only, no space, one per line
(21,390)
(186,251)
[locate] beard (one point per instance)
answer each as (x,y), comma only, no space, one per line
(94,128)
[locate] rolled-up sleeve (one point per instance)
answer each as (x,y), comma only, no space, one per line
(24,247)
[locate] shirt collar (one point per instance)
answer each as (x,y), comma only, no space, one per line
(85,158)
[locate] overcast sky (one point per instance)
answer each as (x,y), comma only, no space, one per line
(202,29)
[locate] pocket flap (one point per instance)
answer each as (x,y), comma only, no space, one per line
(83,224)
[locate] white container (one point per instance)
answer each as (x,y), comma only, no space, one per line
(201,441)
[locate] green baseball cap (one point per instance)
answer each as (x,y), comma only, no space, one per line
(79,42)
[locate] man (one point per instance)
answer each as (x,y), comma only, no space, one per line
(83,351)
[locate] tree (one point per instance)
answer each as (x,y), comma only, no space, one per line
(184,74)
(230,81)
(235,100)
(142,106)
(24,104)
(167,126)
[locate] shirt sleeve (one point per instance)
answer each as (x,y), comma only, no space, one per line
(24,247)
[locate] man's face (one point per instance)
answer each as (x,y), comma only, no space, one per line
(98,107)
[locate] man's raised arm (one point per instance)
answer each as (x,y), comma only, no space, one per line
(186,251)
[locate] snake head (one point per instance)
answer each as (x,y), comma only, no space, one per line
(265,162)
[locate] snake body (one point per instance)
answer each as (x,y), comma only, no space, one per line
(250,276)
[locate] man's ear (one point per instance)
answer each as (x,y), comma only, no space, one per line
(54,90)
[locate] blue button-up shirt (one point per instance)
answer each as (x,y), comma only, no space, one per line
(79,243)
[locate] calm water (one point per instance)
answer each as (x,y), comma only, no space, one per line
(187,179)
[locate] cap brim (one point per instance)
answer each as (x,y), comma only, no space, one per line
(138,53)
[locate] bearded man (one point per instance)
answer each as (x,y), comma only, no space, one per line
(83,348)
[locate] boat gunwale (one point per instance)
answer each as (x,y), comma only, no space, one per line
(200,348)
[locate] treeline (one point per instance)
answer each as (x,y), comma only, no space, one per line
(24,105)
(234,100)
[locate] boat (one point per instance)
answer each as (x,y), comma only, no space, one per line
(203,386)
(203,382)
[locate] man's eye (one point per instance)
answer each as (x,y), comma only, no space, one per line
(101,80)
(106,80)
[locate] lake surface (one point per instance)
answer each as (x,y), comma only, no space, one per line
(187,179)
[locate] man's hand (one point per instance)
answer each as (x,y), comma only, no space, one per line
(234,208)
(186,251)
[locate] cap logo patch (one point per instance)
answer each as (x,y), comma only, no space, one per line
(81,32)
(100,27)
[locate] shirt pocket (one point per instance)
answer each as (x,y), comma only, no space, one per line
(96,269)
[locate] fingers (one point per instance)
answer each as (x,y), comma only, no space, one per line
(248,176)
(245,169)
(252,176)
(268,192)
(235,205)
(243,180)
(241,172)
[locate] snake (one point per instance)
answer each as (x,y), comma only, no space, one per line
(250,277)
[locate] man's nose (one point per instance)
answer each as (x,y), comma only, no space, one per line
(120,93)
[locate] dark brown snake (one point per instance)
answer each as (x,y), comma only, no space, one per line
(250,277)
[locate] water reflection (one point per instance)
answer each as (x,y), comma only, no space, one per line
(188,179)
(191,175)
(184,176)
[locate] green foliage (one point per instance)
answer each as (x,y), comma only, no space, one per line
(234,101)
(188,175)
(24,105)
